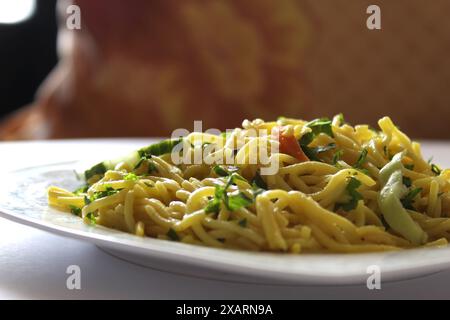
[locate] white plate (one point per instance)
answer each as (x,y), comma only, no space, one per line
(23,199)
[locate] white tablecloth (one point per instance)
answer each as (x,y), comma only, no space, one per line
(33,263)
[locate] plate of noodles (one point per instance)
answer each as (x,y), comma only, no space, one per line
(288,201)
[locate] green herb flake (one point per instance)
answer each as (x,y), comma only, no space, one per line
(355,196)
(98,169)
(131,177)
(173,235)
(75,210)
(408,200)
(81,190)
(317,127)
(341,119)
(337,156)
(91,218)
(407,182)
(237,201)
(243,223)
(109,191)
(409,166)
(233,202)
(220,171)
(258,182)
(361,159)
(435,169)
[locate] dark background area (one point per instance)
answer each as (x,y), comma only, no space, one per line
(27,55)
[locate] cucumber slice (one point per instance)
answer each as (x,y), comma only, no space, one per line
(102,167)
(156,149)
(160,148)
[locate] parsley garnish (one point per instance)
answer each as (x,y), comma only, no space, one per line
(435,169)
(409,166)
(233,202)
(131,177)
(81,190)
(258,181)
(75,210)
(317,127)
(109,191)
(355,196)
(98,169)
(408,200)
(173,235)
(337,156)
(91,218)
(151,165)
(243,223)
(407,182)
(361,159)
(341,119)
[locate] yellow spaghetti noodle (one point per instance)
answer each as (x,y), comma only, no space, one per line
(337,188)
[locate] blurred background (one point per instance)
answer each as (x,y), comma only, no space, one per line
(144,68)
(27,50)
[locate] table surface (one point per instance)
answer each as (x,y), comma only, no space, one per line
(33,263)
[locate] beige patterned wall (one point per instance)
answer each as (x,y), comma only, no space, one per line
(402,70)
(146,69)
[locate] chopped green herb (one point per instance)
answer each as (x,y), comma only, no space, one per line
(81,190)
(361,159)
(220,171)
(75,210)
(91,218)
(243,223)
(109,191)
(173,235)
(214,205)
(140,162)
(98,169)
(233,202)
(409,166)
(225,134)
(87,201)
(151,167)
(407,182)
(237,201)
(131,177)
(317,127)
(408,200)
(355,196)
(341,119)
(435,169)
(258,181)
(221,240)
(337,156)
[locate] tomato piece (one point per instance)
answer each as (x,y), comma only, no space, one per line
(289,145)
